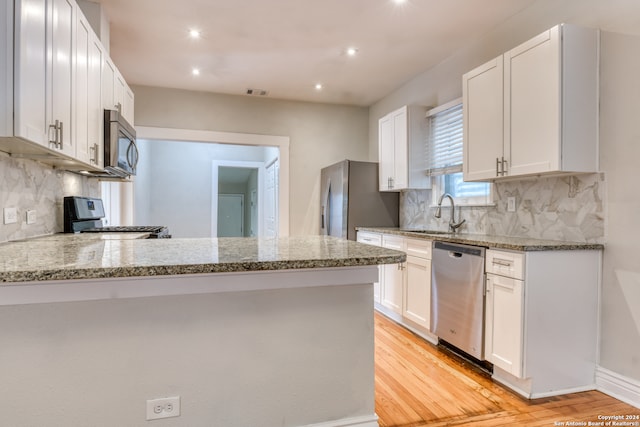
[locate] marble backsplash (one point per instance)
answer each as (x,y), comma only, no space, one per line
(567,208)
(27,184)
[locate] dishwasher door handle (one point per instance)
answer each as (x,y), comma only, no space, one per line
(455,254)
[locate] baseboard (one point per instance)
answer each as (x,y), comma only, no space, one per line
(364,421)
(615,385)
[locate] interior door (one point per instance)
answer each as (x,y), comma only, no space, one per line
(230,215)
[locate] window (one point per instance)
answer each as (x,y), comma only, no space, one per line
(444,157)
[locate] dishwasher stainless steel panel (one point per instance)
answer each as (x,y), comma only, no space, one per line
(457,296)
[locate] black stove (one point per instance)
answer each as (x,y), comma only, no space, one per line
(84,215)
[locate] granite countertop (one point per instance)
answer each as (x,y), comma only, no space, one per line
(88,256)
(496,242)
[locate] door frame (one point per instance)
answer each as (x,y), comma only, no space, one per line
(215,165)
(207,136)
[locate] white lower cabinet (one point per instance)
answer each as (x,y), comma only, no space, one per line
(503,324)
(404,290)
(417,282)
(541,320)
(374,239)
(392,276)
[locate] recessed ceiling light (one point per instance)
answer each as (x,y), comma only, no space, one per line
(318,86)
(195,71)
(399,1)
(351,51)
(195,34)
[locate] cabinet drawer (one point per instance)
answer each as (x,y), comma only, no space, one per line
(369,238)
(419,248)
(508,264)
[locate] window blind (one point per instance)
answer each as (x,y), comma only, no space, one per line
(444,140)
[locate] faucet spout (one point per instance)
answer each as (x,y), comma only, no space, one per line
(453,225)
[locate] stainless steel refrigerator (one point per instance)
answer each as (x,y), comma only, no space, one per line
(349,198)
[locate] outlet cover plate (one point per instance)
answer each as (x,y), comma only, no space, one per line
(165,407)
(10,215)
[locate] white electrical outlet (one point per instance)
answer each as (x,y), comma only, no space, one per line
(31,216)
(10,215)
(511,204)
(165,407)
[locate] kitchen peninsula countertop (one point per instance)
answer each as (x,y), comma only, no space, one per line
(92,256)
(497,242)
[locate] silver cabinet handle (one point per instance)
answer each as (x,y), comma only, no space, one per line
(504,167)
(497,166)
(61,138)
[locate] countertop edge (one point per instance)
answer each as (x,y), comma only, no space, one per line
(497,242)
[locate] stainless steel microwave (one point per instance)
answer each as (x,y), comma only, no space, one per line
(120,149)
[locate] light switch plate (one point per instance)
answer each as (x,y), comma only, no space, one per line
(10,215)
(511,204)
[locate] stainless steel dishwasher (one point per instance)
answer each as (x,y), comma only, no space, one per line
(457,296)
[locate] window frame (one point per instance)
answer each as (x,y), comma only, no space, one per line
(438,178)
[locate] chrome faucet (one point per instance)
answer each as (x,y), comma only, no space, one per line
(453,225)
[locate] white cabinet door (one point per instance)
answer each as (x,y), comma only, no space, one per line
(504,323)
(386,152)
(88,118)
(128,105)
(30,78)
(392,277)
(60,64)
(400,149)
(417,295)
(532,80)
(95,110)
(482,94)
(108,78)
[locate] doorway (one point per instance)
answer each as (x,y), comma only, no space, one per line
(236,184)
(240,178)
(231,215)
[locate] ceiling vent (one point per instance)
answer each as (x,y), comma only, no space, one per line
(257,92)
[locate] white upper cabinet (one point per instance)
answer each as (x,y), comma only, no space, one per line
(401,149)
(30,79)
(59,78)
(88,116)
(534,110)
(483,113)
(51,84)
(116,94)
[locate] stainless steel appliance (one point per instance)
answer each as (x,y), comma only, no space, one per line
(120,149)
(349,197)
(84,215)
(457,296)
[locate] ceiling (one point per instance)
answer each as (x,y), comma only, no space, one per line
(285,47)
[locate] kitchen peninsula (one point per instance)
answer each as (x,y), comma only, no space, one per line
(245,331)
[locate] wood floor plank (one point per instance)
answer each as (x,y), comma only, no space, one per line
(418,384)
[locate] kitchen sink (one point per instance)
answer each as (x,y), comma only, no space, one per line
(427,231)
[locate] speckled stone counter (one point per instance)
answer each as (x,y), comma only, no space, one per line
(497,242)
(91,256)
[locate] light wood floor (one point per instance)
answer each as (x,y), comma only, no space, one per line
(419,385)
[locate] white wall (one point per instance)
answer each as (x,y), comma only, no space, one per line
(320,134)
(227,355)
(620,344)
(619,159)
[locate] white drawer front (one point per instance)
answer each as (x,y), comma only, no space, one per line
(508,264)
(419,248)
(393,242)
(369,238)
